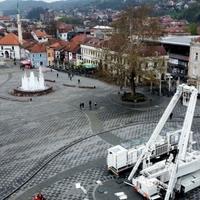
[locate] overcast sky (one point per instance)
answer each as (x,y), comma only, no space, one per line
(36,0)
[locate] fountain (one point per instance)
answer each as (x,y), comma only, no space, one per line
(32,85)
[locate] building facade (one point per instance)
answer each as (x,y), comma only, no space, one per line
(10,47)
(40,36)
(194,64)
(38,56)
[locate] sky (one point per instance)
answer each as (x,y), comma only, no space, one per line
(36,0)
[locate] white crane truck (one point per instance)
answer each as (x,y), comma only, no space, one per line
(178,171)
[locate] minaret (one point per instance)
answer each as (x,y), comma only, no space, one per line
(19,25)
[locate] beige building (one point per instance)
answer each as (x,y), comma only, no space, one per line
(194,64)
(50,56)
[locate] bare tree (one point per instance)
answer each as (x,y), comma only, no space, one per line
(133,27)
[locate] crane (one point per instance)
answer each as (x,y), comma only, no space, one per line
(160,174)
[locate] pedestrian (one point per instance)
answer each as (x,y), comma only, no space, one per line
(57,75)
(95,105)
(39,196)
(79,81)
(90,105)
(81,106)
(181,99)
(51,70)
(70,78)
(170,116)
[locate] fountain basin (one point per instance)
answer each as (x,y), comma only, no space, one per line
(28,93)
(32,85)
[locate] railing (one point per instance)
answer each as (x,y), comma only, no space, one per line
(179,57)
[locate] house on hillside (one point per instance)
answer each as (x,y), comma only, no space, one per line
(65,31)
(10,47)
(40,36)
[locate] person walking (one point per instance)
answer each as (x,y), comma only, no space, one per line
(170,116)
(79,81)
(57,75)
(81,106)
(90,105)
(95,104)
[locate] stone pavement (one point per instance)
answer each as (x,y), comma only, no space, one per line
(32,132)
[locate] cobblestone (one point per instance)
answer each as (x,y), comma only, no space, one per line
(30,132)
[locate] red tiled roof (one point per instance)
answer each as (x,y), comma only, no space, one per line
(59,44)
(95,42)
(10,39)
(76,41)
(5,18)
(64,28)
(29,43)
(79,38)
(39,33)
(38,48)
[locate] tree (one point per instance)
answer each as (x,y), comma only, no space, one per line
(51,28)
(131,29)
(35,13)
(71,20)
(193,28)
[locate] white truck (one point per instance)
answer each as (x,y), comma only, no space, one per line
(179,172)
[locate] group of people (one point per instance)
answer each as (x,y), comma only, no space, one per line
(69,75)
(39,196)
(82,105)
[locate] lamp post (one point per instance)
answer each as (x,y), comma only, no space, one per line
(160,84)
(169,77)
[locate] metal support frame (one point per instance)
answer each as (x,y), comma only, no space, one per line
(184,136)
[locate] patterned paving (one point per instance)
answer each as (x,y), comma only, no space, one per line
(32,132)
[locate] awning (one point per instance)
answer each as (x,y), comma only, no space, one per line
(89,65)
(25,62)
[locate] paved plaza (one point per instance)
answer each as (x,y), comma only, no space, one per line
(48,144)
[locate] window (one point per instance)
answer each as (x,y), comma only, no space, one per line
(41,63)
(40,55)
(49,55)
(196,56)
(13,48)
(1,47)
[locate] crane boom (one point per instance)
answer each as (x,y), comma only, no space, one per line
(183,142)
(158,129)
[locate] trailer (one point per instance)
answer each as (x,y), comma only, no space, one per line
(122,157)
